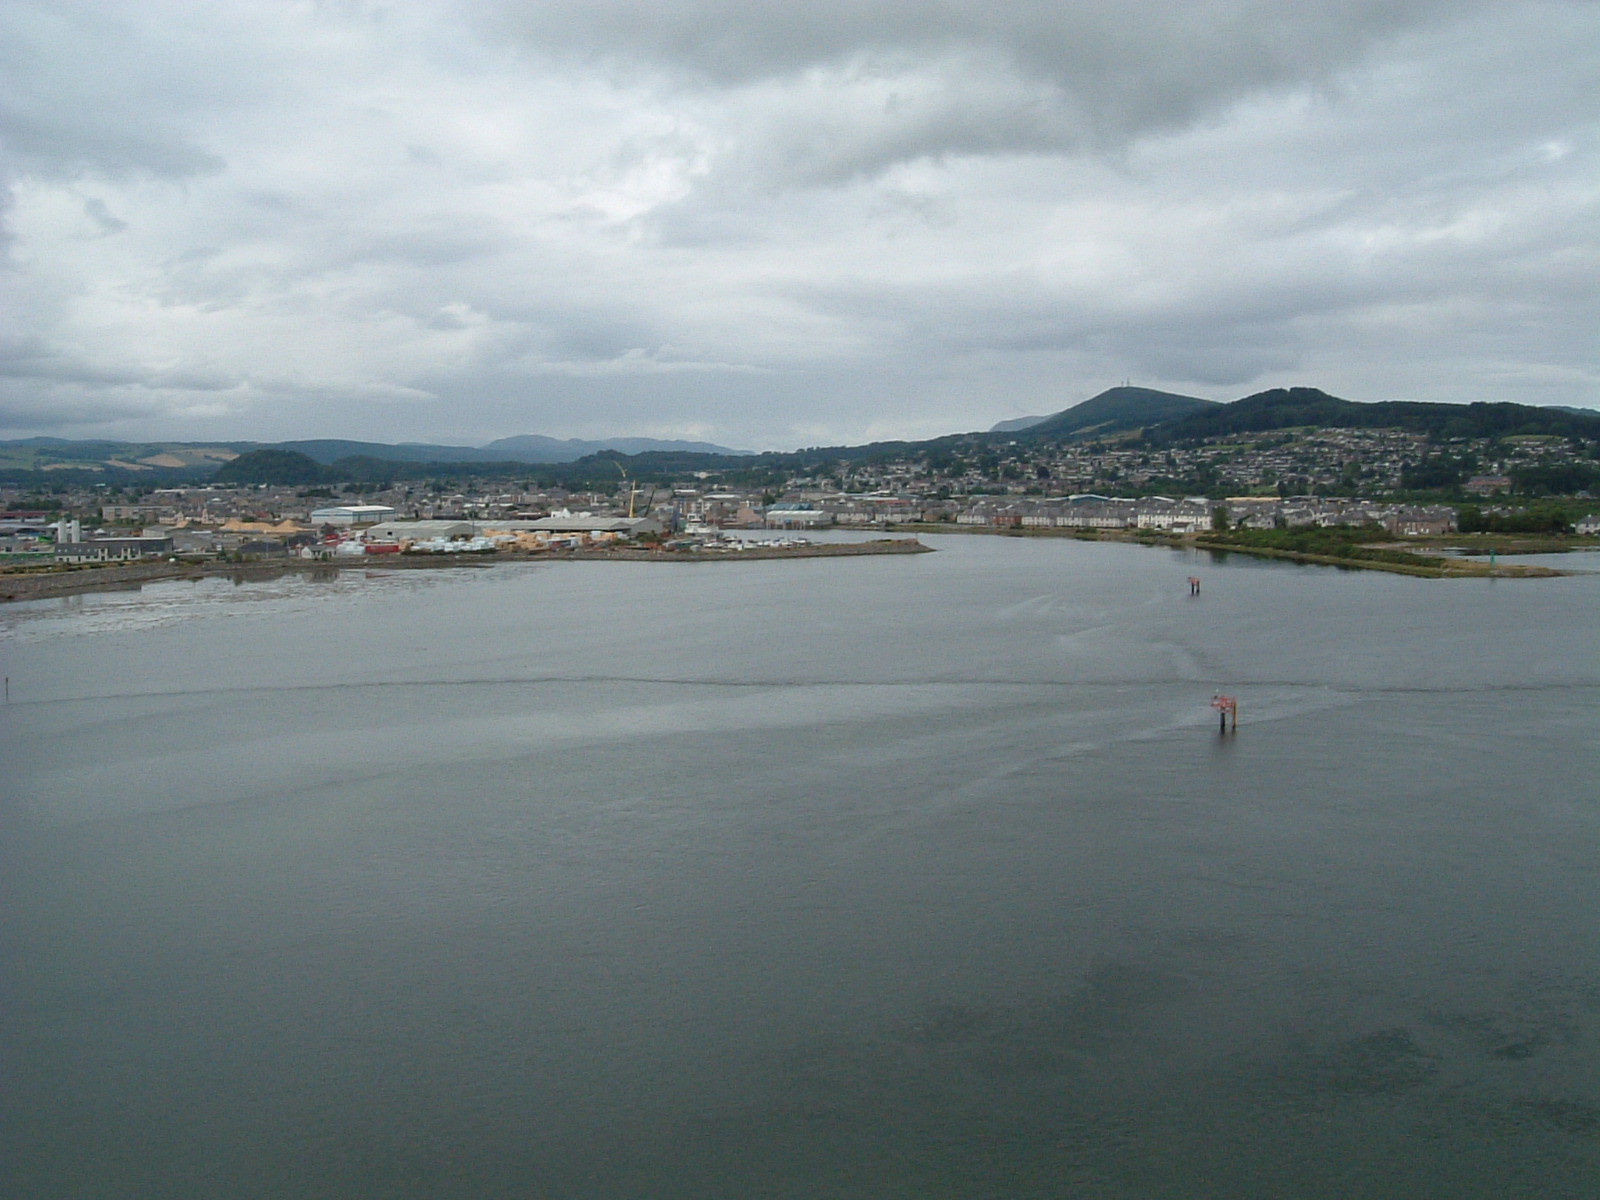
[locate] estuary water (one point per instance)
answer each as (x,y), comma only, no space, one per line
(924,876)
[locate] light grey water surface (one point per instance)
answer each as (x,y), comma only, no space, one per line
(888,877)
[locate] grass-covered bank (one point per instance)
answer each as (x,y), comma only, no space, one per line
(1338,546)
(1367,547)
(1420,565)
(1336,543)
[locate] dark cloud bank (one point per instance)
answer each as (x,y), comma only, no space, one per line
(778,224)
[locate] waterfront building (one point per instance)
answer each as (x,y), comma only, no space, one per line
(798,516)
(112,549)
(564,522)
(419,531)
(1417,522)
(352,514)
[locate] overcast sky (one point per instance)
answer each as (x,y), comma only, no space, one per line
(777,224)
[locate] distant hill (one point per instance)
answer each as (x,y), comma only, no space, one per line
(331,450)
(526,448)
(1287,408)
(1118,410)
(1164,417)
(1015,424)
(280,467)
(534,448)
(91,460)
(131,458)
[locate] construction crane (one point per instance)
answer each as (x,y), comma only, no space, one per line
(632,491)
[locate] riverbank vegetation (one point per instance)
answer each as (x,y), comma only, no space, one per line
(1356,542)
(1369,547)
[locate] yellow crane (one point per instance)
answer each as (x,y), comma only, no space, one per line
(632,491)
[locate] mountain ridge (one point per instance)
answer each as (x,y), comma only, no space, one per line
(523,447)
(1155,417)
(1015,424)
(1116,410)
(1288,408)
(55,454)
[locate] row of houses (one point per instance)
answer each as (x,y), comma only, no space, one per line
(1076,512)
(1190,514)
(112,549)
(1403,520)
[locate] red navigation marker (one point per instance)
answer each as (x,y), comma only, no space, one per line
(1227,707)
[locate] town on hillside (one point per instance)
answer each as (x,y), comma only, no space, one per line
(1130,459)
(263,522)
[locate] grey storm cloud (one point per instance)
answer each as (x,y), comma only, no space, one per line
(769,224)
(1106,69)
(85,87)
(95,209)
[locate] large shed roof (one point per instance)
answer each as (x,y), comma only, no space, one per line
(420,531)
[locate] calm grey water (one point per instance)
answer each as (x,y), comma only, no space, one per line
(900,877)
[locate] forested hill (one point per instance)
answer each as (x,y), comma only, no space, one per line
(1287,408)
(1157,418)
(1116,410)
